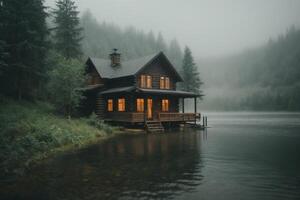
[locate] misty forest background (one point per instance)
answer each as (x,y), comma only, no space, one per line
(42,76)
(262,78)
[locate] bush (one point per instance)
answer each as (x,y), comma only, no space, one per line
(94,121)
(65,80)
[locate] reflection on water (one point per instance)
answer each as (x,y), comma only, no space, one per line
(243,156)
(145,166)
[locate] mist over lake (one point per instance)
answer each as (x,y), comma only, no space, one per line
(242,156)
(139,99)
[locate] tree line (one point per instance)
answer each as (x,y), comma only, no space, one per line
(265,78)
(38,62)
(45,61)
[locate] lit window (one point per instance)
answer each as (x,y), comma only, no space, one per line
(149,82)
(121,105)
(143,81)
(167,83)
(110,105)
(146,81)
(140,105)
(162,83)
(165,105)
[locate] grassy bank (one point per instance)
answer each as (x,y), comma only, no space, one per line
(30,132)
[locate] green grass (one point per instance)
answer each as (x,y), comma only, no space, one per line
(30,132)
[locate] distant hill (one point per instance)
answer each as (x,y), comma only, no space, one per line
(265,78)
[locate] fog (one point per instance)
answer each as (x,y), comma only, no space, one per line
(209,27)
(247,51)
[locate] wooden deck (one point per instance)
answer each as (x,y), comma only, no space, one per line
(137,117)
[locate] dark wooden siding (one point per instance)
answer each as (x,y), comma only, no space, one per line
(100,107)
(120,82)
(156,70)
(93,76)
(130,101)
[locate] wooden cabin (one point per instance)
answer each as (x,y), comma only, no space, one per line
(138,91)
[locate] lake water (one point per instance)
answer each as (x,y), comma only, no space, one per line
(242,156)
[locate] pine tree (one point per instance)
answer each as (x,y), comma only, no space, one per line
(160,43)
(3,53)
(67,36)
(23,32)
(190,74)
(3,56)
(175,54)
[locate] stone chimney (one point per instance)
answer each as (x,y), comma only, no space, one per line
(115,58)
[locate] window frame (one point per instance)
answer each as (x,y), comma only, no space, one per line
(143,81)
(162,82)
(140,103)
(165,105)
(165,83)
(148,81)
(110,105)
(121,104)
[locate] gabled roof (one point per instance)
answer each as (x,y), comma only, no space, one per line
(127,68)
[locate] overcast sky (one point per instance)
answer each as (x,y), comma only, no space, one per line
(209,27)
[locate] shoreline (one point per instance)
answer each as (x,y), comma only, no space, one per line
(31,133)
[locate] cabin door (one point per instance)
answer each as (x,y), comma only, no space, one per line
(149,109)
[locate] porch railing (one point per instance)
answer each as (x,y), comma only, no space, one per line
(125,116)
(163,116)
(184,117)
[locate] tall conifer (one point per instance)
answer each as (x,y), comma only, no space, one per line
(190,74)
(67,36)
(23,32)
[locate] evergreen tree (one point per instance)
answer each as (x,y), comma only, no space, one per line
(3,56)
(190,74)
(3,53)
(175,54)
(160,43)
(67,36)
(23,32)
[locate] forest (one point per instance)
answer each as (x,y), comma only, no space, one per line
(42,76)
(263,78)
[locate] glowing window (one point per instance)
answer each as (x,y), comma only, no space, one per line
(162,83)
(165,105)
(121,105)
(143,81)
(167,83)
(140,105)
(149,82)
(110,105)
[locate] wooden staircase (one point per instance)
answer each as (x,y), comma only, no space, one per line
(100,107)
(154,127)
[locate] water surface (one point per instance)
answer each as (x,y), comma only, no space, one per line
(242,156)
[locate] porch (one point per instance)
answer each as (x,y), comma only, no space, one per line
(138,117)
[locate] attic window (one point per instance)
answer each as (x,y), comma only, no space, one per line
(164,82)
(146,81)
